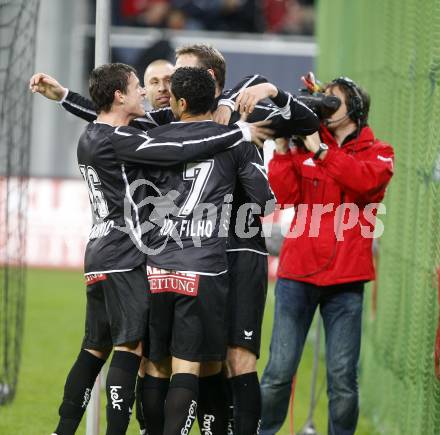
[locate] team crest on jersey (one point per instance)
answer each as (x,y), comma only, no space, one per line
(162,280)
(95,277)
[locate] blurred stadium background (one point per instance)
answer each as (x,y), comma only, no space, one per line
(391,48)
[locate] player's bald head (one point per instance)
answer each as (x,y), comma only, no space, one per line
(159,64)
(157,80)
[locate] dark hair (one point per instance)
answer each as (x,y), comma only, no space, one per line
(209,58)
(356,99)
(105,80)
(196,86)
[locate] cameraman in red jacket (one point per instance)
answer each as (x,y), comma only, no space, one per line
(335,182)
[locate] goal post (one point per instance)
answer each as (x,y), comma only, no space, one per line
(102,56)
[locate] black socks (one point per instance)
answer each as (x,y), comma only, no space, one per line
(247,403)
(77,391)
(138,399)
(181,404)
(230,402)
(153,402)
(120,389)
(213,406)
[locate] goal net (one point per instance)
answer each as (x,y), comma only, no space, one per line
(18,20)
(391,48)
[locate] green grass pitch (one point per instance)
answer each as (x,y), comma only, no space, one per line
(53,330)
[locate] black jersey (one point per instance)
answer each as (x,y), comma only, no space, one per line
(111,159)
(288,117)
(84,108)
(192,235)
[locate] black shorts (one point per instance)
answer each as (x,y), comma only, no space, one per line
(117,308)
(247,298)
(188,316)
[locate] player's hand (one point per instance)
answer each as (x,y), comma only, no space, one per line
(260,132)
(47,86)
(281,145)
(222,115)
(249,97)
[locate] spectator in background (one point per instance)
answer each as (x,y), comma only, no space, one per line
(274,13)
(141,13)
(326,261)
(150,13)
(289,16)
(225,15)
(274,16)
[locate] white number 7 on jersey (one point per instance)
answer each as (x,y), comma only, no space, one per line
(199,172)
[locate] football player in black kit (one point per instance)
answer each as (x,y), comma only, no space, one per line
(188,274)
(111,156)
(247,254)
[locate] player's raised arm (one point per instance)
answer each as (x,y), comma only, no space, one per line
(84,108)
(226,104)
(154,118)
(79,106)
(288,117)
(73,102)
(132,146)
(47,86)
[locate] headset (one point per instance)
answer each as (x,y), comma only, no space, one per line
(355,104)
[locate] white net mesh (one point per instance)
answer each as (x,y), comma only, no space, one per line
(18,21)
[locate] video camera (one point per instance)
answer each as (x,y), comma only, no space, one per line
(314,98)
(323,105)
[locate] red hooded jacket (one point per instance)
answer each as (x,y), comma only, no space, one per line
(336,200)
